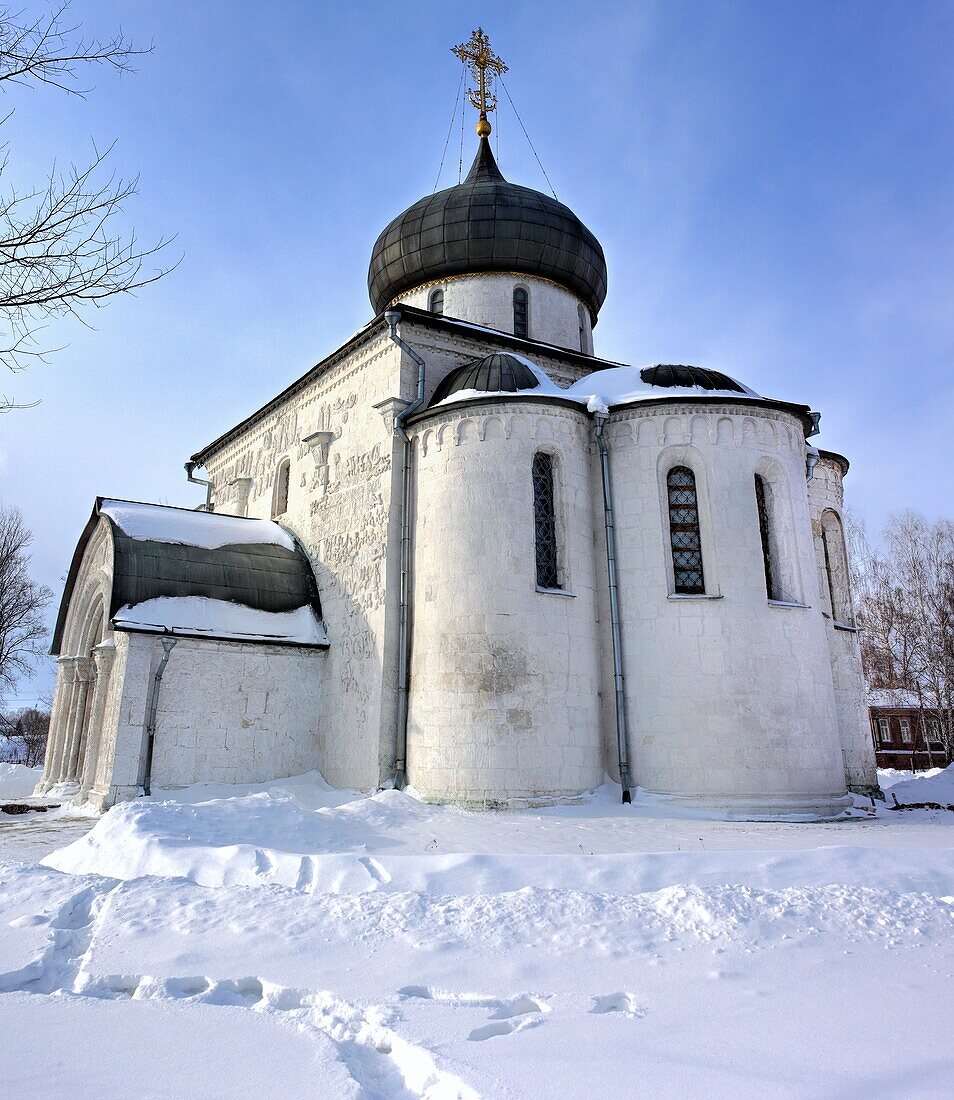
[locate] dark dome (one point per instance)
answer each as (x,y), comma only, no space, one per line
(672,375)
(493,374)
(487,224)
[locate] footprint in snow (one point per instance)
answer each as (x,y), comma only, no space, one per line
(624,1003)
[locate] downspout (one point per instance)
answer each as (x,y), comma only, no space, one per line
(393,317)
(622,748)
(167,647)
(189,467)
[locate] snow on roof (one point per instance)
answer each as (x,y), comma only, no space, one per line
(892,697)
(198,616)
(209,530)
(604,389)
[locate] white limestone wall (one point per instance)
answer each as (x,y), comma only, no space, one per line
(504,702)
(730,700)
(339,507)
(826,498)
(487,299)
(229,712)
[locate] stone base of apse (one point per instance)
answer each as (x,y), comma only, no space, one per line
(477,801)
(732,807)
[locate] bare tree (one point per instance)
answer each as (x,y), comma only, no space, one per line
(906,614)
(28,733)
(60,248)
(22,602)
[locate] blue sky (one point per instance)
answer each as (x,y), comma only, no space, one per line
(771,183)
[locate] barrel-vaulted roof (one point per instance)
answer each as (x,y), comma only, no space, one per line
(201,574)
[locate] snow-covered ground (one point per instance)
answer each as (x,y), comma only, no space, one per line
(18,781)
(225,942)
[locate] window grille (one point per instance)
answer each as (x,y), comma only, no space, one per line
(521,312)
(437,302)
(771,583)
(282,478)
(684,533)
(544,522)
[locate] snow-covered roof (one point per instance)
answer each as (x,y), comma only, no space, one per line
(622,385)
(160,523)
(199,616)
(203,575)
(892,697)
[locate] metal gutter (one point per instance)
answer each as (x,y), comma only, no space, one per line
(168,644)
(393,318)
(622,747)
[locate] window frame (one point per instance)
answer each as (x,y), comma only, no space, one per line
(678,528)
(548,557)
(904,726)
(437,294)
(525,308)
(884,731)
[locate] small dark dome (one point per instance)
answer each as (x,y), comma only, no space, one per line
(493,374)
(487,224)
(679,376)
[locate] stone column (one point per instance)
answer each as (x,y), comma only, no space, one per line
(103,655)
(85,673)
(62,714)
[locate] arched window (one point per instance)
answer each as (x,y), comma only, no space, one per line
(581,313)
(280,495)
(544,522)
(836,569)
(684,533)
(436,304)
(765,533)
(521,312)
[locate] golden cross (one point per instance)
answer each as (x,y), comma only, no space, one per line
(484,65)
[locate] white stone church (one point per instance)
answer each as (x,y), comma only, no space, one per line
(465,553)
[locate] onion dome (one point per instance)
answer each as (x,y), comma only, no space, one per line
(493,374)
(487,224)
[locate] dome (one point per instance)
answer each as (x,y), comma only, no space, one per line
(487,224)
(684,377)
(492,374)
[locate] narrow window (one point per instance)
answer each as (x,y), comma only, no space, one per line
(437,302)
(884,734)
(581,312)
(935,731)
(544,522)
(521,312)
(905,731)
(280,499)
(836,569)
(771,581)
(684,534)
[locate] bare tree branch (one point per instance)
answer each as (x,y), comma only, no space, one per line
(61,249)
(22,602)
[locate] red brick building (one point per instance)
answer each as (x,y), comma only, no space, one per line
(904,736)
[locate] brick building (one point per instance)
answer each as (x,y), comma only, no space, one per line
(904,736)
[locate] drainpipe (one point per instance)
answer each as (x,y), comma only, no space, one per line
(189,467)
(622,747)
(167,647)
(393,317)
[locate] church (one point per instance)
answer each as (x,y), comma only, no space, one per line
(464,553)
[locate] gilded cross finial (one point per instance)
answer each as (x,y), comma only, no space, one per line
(484,65)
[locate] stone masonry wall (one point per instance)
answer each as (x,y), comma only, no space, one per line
(505,677)
(826,494)
(729,696)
